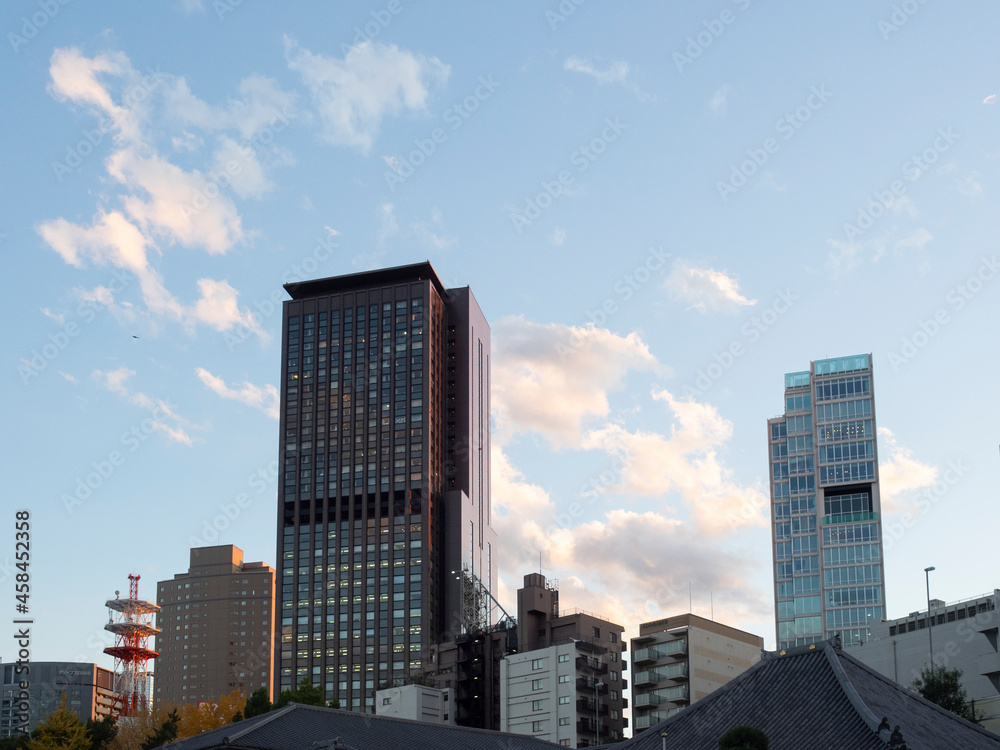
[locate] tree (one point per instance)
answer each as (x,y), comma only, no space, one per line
(60,730)
(137,730)
(166,733)
(743,738)
(258,703)
(102,732)
(205,716)
(306,694)
(943,686)
(18,741)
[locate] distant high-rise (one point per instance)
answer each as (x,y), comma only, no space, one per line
(216,627)
(87,689)
(825,505)
(384,517)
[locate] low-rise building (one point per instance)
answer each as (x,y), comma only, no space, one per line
(417,702)
(964,634)
(565,684)
(678,660)
(88,689)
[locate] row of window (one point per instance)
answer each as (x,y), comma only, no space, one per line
(848,504)
(853,596)
(801,605)
(861,471)
(853,451)
(849,533)
(852,430)
(831,390)
(852,575)
(800,626)
(798,403)
(861,553)
(843,410)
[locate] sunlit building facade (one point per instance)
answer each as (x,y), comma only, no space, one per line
(385,540)
(825,505)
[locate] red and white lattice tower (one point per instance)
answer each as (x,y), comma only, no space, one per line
(131,620)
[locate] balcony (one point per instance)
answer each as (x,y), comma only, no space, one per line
(585,706)
(587,662)
(649,677)
(659,651)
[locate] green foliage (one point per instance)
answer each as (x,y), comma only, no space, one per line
(943,686)
(17,742)
(102,732)
(166,733)
(258,703)
(743,738)
(306,694)
(60,730)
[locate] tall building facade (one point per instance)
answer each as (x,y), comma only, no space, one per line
(825,505)
(216,627)
(385,538)
(679,660)
(87,688)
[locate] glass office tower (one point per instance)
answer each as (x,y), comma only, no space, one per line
(825,506)
(385,543)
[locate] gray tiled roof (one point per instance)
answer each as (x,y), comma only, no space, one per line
(811,698)
(816,698)
(312,728)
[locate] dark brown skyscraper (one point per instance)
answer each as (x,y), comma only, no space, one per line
(384,518)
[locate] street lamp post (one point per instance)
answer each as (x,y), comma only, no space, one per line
(597,713)
(930,635)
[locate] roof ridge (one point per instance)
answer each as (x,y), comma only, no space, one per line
(914,694)
(269,716)
(830,651)
(720,693)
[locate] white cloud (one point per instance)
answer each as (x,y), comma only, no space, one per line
(263,397)
(617,72)
(161,204)
(718,101)
(67,376)
(59,318)
(636,566)
(558,236)
(900,474)
(179,207)
(971,186)
(116,381)
(991,99)
(915,239)
(261,103)
(550,378)
(240,164)
(113,240)
(373,81)
(705,289)
(686,462)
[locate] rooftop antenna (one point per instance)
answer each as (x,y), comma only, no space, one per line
(690,599)
(711,595)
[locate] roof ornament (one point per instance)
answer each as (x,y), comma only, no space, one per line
(896,740)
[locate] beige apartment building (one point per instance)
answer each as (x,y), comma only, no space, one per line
(217,627)
(679,660)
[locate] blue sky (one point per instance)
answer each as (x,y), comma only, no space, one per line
(661,209)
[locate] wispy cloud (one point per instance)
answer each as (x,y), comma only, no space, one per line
(163,413)
(161,204)
(558,237)
(263,397)
(705,289)
(615,72)
(59,318)
(354,94)
(718,101)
